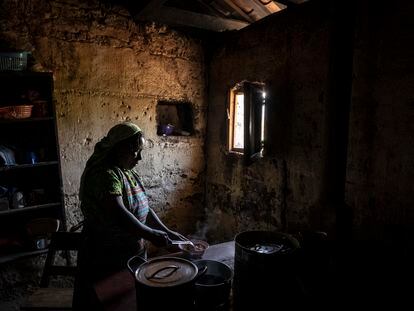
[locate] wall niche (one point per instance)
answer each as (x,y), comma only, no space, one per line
(174,118)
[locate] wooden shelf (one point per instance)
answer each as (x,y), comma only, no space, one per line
(25,73)
(26,120)
(19,255)
(38,135)
(30,208)
(23,166)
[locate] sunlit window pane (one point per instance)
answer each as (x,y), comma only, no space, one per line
(263,117)
(238,139)
(262,127)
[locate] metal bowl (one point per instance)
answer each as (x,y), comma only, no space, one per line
(197,251)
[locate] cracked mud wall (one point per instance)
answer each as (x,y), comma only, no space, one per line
(289,53)
(109,69)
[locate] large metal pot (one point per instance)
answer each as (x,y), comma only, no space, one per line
(264,270)
(213,288)
(164,282)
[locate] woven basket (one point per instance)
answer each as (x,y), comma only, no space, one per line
(16,112)
(42,226)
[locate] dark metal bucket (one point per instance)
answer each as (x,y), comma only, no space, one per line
(264,270)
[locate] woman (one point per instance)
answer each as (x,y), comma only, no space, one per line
(113,201)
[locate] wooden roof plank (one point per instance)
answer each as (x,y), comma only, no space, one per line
(290,2)
(178,17)
(211,9)
(239,11)
(272,6)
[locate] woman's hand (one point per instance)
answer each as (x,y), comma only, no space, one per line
(176,236)
(160,238)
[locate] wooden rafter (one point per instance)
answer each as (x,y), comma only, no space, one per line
(290,2)
(218,16)
(178,17)
(271,6)
(211,9)
(239,11)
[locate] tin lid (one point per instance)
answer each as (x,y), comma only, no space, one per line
(267,242)
(166,272)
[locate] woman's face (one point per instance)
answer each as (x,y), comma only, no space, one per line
(130,154)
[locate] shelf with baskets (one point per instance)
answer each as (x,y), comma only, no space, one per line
(31,208)
(28,120)
(21,254)
(30,171)
(24,166)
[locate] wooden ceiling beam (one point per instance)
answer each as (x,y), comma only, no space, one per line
(290,2)
(261,7)
(211,8)
(271,6)
(178,17)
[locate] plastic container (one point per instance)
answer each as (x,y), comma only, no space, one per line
(165,129)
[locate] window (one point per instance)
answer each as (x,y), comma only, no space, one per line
(246,120)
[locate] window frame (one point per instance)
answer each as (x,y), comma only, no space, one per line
(254,120)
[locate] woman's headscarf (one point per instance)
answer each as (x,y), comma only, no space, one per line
(116,134)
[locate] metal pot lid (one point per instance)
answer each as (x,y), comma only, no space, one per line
(267,242)
(166,272)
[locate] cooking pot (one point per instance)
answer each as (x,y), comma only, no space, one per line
(164,282)
(213,288)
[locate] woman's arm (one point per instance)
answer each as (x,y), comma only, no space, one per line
(115,207)
(155,222)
